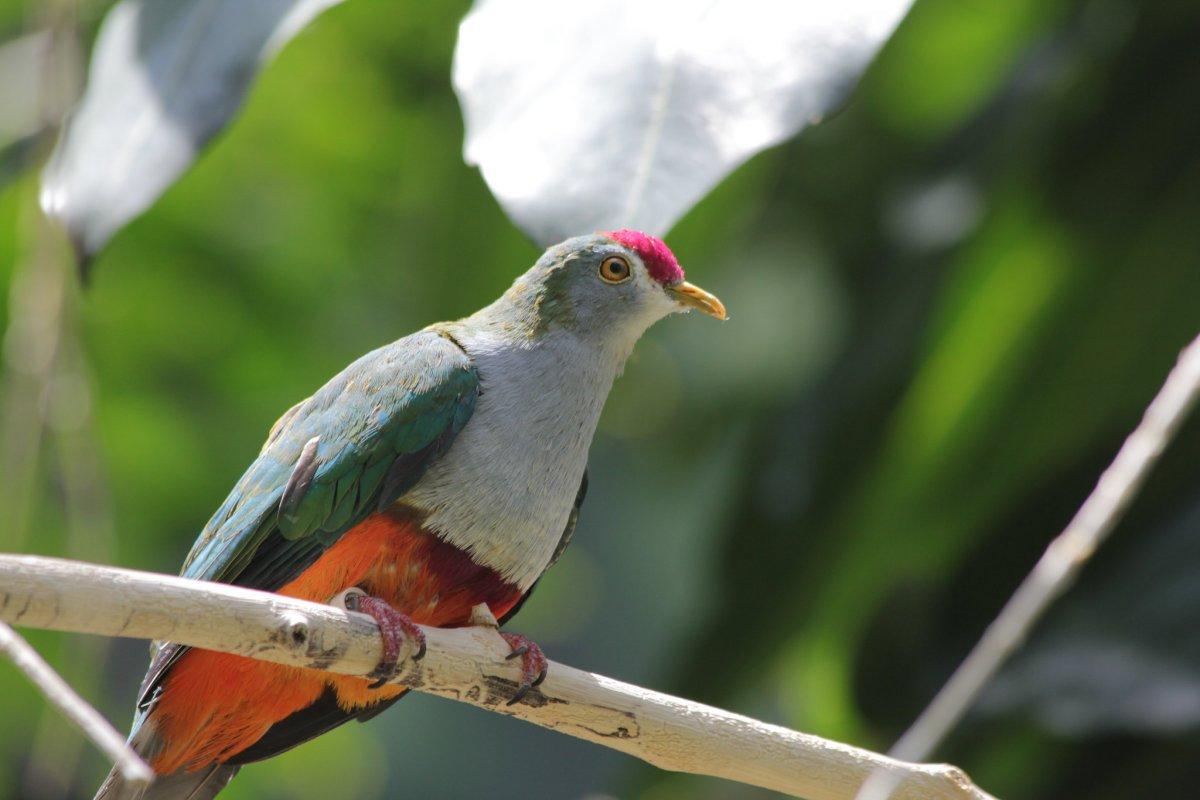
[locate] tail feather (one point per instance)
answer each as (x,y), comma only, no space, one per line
(203,784)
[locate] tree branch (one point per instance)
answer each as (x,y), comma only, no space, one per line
(465,664)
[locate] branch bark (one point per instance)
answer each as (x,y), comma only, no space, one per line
(464,664)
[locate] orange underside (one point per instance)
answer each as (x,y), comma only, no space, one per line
(214,705)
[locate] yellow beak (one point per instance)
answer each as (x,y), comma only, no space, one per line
(692,296)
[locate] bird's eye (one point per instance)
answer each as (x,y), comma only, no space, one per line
(614,269)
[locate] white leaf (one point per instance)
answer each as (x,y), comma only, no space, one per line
(165,77)
(605,114)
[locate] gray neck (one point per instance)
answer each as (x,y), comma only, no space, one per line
(504,490)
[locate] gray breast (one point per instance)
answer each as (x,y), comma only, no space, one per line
(505,489)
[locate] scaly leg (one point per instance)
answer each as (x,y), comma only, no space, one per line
(394,627)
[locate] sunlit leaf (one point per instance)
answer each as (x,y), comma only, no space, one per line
(166,76)
(604,114)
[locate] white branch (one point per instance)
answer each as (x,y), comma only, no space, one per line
(465,664)
(1058,567)
(74,707)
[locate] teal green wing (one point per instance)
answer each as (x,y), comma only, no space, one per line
(351,449)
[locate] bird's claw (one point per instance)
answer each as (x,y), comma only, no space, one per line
(533,664)
(394,628)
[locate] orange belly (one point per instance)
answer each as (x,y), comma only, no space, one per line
(214,705)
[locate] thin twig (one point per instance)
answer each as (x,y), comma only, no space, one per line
(54,758)
(1057,569)
(74,707)
(465,664)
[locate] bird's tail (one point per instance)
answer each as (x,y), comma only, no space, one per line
(203,784)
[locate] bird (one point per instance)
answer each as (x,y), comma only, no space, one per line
(440,472)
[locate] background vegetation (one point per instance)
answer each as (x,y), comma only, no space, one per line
(949,304)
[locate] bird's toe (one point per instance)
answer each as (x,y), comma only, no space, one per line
(394,628)
(533,664)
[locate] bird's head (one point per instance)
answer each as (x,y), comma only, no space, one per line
(614,283)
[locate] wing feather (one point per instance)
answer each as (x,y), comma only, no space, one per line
(354,447)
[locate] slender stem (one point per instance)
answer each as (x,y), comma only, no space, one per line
(74,707)
(464,664)
(1057,569)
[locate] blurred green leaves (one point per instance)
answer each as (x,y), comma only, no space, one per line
(970,49)
(949,304)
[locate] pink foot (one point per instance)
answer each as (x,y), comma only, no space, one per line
(394,627)
(533,663)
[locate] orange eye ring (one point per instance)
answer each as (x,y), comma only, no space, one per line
(615,269)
